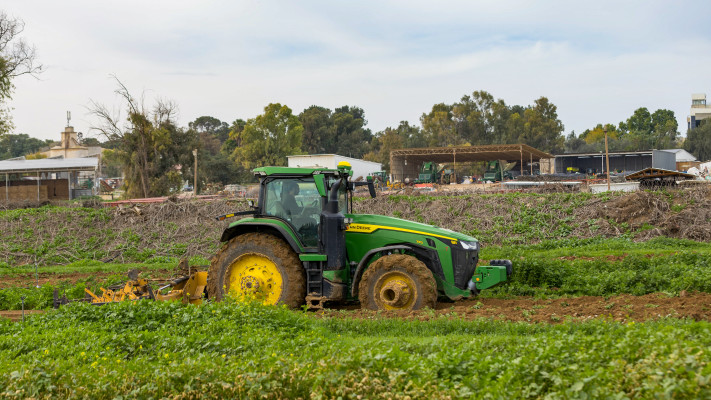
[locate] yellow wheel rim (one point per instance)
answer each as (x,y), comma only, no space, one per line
(395,291)
(254,276)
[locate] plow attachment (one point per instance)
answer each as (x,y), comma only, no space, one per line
(188,289)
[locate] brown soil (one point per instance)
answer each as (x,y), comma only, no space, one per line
(47,278)
(622,308)
(696,306)
(16,315)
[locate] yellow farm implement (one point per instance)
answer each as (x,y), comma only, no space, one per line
(188,289)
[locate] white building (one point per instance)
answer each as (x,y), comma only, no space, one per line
(699,110)
(361,168)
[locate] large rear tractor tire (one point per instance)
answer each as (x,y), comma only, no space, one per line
(397,282)
(259,266)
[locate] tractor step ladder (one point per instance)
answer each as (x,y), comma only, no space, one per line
(314,278)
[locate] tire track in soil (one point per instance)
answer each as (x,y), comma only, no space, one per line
(621,308)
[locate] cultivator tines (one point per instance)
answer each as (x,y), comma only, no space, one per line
(132,290)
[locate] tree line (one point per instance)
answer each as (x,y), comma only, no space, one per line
(155,154)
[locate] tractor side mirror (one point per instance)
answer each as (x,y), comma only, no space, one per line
(371,186)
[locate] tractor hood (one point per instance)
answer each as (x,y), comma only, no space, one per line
(368,223)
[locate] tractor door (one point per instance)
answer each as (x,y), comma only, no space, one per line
(296,201)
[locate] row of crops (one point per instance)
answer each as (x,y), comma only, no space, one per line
(227,350)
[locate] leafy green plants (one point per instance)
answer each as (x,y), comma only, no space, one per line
(228,350)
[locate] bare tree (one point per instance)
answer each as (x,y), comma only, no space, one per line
(17,58)
(142,138)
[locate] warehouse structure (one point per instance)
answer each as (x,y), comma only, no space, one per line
(625,162)
(406,163)
(48,179)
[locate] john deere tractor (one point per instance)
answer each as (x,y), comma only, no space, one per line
(301,242)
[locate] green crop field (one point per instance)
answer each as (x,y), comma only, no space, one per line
(602,275)
(228,350)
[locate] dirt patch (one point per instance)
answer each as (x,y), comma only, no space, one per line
(16,315)
(696,306)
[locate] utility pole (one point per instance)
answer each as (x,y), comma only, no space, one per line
(195,189)
(607,161)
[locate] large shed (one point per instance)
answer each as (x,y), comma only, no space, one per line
(48,179)
(405,163)
(623,161)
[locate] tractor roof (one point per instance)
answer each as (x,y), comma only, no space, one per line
(300,171)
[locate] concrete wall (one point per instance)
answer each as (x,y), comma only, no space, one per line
(615,187)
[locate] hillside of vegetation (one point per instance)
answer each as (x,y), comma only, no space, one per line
(61,234)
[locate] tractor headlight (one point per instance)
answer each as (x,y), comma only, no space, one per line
(470,245)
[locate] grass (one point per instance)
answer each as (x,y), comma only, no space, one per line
(227,350)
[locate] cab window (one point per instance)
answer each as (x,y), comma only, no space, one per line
(298,202)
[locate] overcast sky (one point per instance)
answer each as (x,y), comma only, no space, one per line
(597,61)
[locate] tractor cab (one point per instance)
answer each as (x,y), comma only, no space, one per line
(299,197)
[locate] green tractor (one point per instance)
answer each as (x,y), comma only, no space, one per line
(496,169)
(431,172)
(302,243)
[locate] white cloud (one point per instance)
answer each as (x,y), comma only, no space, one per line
(596,61)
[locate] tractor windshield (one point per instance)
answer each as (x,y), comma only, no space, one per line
(297,201)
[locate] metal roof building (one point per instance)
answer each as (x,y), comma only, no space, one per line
(48,179)
(405,163)
(622,161)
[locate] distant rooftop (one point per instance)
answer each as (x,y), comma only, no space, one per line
(49,165)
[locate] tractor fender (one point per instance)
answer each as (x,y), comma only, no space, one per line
(432,264)
(262,227)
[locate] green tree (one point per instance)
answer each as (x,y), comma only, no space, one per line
(666,129)
(211,126)
(439,127)
(542,128)
(352,137)
(319,135)
(215,165)
(698,141)
(18,145)
(645,131)
(16,58)
(573,143)
(90,141)
(640,123)
(404,136)
(474,118)
(234,137)
(269,138)
(111,165)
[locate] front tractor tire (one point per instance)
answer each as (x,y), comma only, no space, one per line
(259,266)
(397,282)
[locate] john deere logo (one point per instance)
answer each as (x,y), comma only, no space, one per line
(361,228)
